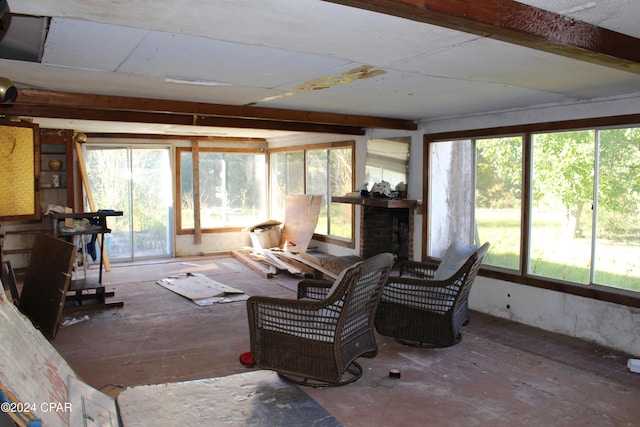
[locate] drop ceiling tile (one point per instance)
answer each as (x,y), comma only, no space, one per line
(491,61)
(89,45)
(413,96)
(197,58)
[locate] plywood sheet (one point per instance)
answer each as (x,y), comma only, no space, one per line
(300,219)
(30,368)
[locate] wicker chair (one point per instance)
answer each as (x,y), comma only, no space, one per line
(316,339)
(420,308)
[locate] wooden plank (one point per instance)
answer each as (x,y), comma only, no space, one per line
(311,261)
(308,257)
(32,370)
(82,167)
(284,256)
(106,107)
(46,282)
(279,263)
(254,265)
(519,24)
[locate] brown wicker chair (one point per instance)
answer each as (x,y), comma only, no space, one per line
(419,310)
(316,339)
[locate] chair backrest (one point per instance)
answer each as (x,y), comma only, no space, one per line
(455,257)
(475,260)
(362,299)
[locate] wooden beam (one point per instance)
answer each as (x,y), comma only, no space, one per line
(266,271)
(84,177)
(519,24)
(62,112)
(223,139)
(207,114)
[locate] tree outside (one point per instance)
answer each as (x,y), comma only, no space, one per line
(572,226)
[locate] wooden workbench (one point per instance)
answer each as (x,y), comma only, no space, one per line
(89,294)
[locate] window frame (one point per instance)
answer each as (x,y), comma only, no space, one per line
(330,239)
(178,184)
(593,291)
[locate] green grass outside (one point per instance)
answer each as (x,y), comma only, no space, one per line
(556,256)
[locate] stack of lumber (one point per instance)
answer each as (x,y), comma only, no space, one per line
(269,261)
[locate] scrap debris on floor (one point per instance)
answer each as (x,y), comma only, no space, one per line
(283,246)
(202,290)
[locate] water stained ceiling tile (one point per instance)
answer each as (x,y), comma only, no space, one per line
(412,96)
(89,45)
(343,76)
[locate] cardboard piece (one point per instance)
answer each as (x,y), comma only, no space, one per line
(300,220)
(68,222)
(201,290)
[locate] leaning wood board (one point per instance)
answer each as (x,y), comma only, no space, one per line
(46,282)
(300,219)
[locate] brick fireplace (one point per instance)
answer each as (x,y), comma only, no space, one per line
(386,225)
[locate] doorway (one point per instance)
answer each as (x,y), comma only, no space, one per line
(136,181)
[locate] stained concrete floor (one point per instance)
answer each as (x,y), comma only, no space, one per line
(501,374)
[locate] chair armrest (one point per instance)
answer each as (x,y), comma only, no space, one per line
(314,289)
(421,270)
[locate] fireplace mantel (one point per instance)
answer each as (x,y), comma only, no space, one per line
(377,202)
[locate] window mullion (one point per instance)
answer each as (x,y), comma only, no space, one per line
(594,207)
(525,229)
(328,192)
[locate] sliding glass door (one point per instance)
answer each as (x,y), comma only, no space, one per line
(136,181)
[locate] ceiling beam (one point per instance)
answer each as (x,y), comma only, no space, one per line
(155,136)
(165,111)
(519,24)
(55,112)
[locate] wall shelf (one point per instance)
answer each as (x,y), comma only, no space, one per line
(377,202)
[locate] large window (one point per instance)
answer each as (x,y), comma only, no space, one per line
(137,181)
(323,169)
(231,186)
(558,207)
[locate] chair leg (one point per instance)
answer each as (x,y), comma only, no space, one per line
(351,374)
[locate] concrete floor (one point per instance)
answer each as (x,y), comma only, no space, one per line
(501,374)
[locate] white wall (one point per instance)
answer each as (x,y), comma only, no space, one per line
(612,325)
(212,243)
